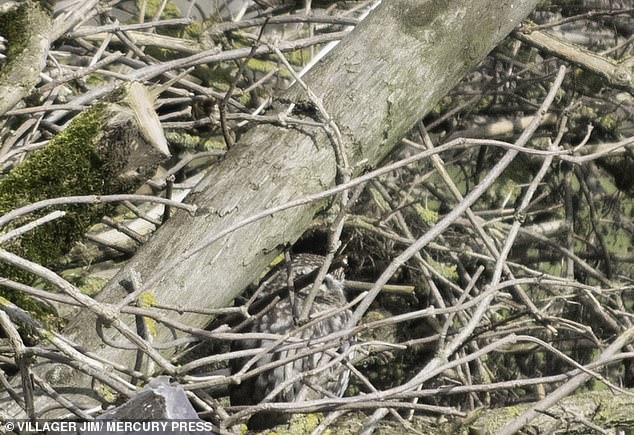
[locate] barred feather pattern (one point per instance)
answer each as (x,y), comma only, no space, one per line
(281,319)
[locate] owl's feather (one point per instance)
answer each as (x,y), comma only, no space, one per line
(281,319)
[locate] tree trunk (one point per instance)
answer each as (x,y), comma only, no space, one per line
(375,85)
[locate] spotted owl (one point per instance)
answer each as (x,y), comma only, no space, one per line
(281,319)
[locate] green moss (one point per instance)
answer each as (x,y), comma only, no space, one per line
(190,142)
(57,169)
(107,393)
(67,166)
(299,424)
(449,271)
(298,57)
(488,422)
(195,30)
(200,30)
(101,152)
(12,25)
(88,284)
(427,215)
(261,65)
(146,300)
(94,80)
(92,285)
(170,10)
(609,122)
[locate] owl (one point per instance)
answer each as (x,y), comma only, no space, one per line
(281,319)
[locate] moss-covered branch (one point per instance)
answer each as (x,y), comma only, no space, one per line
(112,147)
(27,29)
(30,29)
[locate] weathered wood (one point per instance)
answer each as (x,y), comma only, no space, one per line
(375,85)
(30,30)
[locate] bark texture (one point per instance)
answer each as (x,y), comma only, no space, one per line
(375,85)
(30,30)
(27,30)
